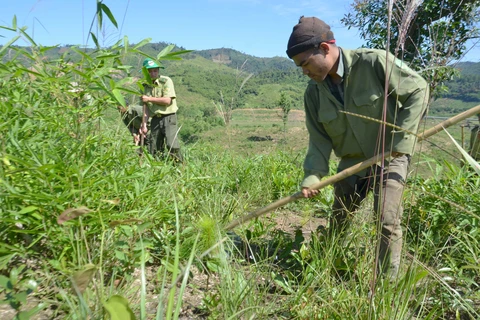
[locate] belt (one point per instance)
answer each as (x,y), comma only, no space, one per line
(161,115)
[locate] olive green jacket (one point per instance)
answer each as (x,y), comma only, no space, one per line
(163,88)
(355,139)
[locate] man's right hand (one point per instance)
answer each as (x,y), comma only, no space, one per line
(136,139)
(309,193)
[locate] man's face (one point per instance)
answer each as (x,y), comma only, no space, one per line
(314,64)
(153,73)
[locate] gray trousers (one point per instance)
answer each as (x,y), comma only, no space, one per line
(388,208)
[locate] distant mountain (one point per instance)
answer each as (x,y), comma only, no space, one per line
(205,77)
(463,91)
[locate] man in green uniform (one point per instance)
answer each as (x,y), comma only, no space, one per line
(475,141)
(368,83)
(160,124)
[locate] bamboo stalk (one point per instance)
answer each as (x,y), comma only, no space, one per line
(350,171)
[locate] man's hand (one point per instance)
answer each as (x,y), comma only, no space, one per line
(143,129)
(136,139)
(145,98)
(309,193)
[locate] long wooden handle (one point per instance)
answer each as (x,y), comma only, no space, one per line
(144,111)
(350,171)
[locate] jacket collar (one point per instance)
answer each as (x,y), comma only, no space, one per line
(350,57)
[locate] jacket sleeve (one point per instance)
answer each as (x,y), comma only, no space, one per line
(411,94)
(316,164)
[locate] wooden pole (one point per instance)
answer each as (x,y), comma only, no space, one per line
(142,140)
(350,171)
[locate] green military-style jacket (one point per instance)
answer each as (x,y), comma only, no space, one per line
(355,139)
(163,88)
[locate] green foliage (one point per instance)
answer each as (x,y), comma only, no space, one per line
(427,34)
(16,289)
(443,226)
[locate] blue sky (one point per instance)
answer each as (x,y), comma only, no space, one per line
(257,27)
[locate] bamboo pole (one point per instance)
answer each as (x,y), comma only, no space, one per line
(350,171)
(142,137)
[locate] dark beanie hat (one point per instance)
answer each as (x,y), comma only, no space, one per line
(308,33)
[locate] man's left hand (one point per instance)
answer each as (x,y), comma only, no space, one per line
(145,98)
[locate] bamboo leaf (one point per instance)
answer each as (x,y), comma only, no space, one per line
(116,45)
(118,309)
(165,51)
(82,278)
(109,14)
(72,213)
(22,31)
(95,40)
(180,52)
(125,44)
(474,164)
(131,91)
(80,52)
(110,55)
(14,22)
(142,43)
(7,28)
(119,97)
(8,44)
(99,14)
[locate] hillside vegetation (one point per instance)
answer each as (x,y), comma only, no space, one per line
(204,77)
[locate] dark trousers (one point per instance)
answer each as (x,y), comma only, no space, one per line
(162,136)
(164,133)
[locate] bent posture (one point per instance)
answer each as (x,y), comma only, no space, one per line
(369,83)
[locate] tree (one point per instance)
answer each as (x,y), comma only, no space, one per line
(429,34)
(286,105)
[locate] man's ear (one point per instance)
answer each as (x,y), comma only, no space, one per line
(324,47)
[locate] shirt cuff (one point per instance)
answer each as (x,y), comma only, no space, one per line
(310,180)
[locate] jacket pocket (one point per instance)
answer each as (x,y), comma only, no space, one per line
(333,122)
(369,103)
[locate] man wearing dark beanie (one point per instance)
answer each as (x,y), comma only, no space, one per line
(363,82)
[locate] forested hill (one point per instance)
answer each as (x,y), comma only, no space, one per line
(205,77)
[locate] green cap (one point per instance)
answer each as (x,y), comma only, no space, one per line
(150,64)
